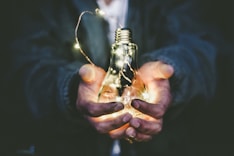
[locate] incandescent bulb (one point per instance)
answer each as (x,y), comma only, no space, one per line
(121,75)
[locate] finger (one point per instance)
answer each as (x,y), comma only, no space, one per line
(89,73)
(141,137)
(92,77)
(146,127)
(163,71)
(131,132)
(119,133)
(154,110)
(97,109)
(110,124)
(133,135)
(159,91)
(155,70)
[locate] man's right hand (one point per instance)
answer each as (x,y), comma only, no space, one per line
(86,103)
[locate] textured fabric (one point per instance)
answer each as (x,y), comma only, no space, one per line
(41,81)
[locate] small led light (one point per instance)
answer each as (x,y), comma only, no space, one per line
(77,46)
(120,63)
(99,12)
(145,95)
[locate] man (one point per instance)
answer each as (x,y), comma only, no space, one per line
(52,101)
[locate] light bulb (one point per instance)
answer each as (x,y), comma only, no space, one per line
(121,74)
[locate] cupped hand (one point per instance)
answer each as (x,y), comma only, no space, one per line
(95,112)
(155,76)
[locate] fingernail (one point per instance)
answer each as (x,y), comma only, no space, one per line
(135,124)
(136,104)
(167,70)
(87,73)
(131,132)
(118,107)
(127,118)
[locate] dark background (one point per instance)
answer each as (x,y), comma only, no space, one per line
(214,133)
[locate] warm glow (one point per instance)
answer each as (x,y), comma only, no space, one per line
(99,12)
(77,46)
(119,129)
(119,52)
(120,64)
(121,85)
(109,116)
(118,99)
(145,96)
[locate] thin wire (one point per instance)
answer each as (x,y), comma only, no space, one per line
(76,36)
(97,12)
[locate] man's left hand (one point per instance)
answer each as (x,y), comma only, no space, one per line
(155,75)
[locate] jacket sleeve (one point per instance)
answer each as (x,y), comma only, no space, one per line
(42,79)
(187,43)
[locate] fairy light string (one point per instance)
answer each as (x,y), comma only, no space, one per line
(77,45)
(121,64)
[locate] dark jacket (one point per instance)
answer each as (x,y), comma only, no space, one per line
(40,85)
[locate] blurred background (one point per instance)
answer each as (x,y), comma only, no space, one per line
(214,133)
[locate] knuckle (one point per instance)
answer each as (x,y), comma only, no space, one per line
(92,110)
(158,128)
(99,128)
(114,125)
(113,136)
(79,105)
(159,112)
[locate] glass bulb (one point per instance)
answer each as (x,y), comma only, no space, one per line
(121,74)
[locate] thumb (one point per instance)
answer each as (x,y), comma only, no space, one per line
(164,71)
(87,73)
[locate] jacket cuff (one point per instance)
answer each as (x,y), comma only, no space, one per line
(68,87)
